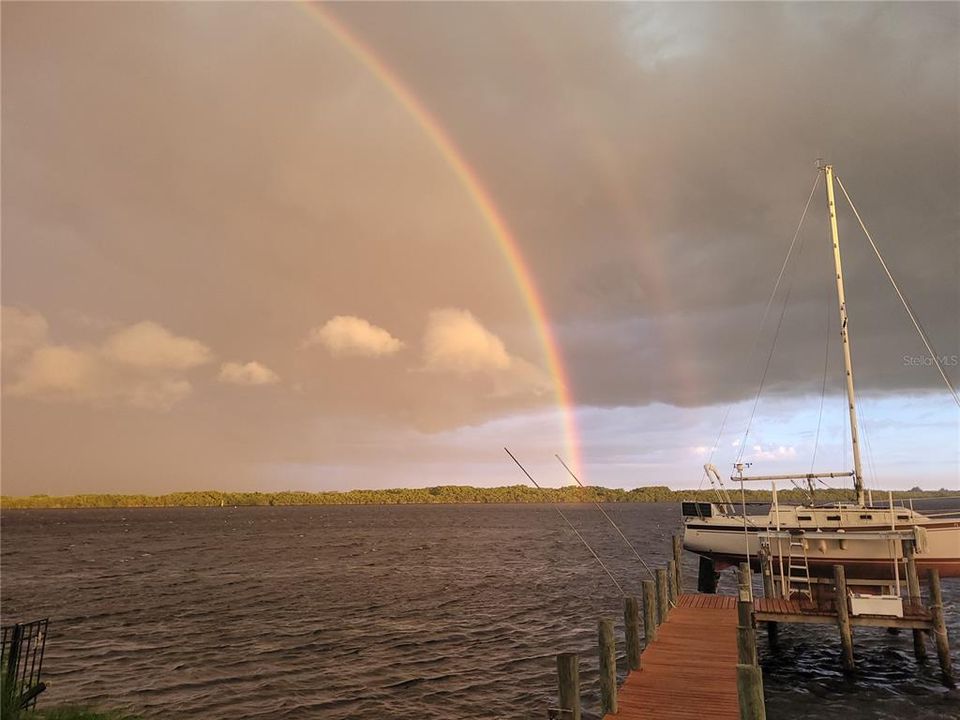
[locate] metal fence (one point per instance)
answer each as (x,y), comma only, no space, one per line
(21,659)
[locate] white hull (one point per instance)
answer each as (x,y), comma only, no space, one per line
(830,536)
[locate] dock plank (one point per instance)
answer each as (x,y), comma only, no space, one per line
(689,672)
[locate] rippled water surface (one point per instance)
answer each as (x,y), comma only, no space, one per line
(379,612)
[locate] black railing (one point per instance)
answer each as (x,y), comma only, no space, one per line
(21,659)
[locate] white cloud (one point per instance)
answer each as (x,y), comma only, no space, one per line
(350,335)
(157,393)
(521,378)
(22,331)
(251,373)
(149,346)
(455,341)
(780,452)
(59,371)
(142,365)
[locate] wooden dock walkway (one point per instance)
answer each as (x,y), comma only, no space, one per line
(689,671)
(701,657)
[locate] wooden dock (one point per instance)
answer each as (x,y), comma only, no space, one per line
(700,657)
(690,671)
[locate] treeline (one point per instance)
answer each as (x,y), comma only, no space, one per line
(445,494)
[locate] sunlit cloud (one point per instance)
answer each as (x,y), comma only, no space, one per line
(455,341)
(251,373)
(149,346)
(23,331)
(351,335)
(140,366)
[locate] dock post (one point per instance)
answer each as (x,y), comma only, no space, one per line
(608,668)
(940,629)
(674,593)
(746,633)
(766,571)
(631,624)
(663,601)
(745,597)
(707,577)
(746,646)
(568,681)
(750,692)
(843,617)
(913,584)
(649,612)
(678,562)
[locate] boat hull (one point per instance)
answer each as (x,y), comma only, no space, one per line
(724,540)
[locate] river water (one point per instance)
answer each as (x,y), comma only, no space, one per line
(381,612)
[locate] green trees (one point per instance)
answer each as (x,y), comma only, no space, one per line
(442,494)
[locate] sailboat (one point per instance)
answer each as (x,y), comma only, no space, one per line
(804,542)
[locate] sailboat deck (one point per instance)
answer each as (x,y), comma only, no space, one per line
(691,667)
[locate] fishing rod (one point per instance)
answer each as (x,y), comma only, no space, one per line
(610,519)
(567,521)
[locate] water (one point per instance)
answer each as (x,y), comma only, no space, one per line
(379,612)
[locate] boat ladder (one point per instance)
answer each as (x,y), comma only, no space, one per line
(798,577)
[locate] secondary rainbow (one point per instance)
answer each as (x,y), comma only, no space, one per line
(488,211)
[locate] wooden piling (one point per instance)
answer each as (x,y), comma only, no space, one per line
(750,692)
(769,591)
(746,646)
(766,570)
(608,667)
(663,600)
(940,629)
(843,618)
(649,612)
(673,592)
(707,576)
(678,562)
(746,577)
(913,586)
(745,597)
(631,624)
(568,682)
(746,632)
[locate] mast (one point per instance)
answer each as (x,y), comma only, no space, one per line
(845,337)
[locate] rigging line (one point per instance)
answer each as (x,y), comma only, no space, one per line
(763,320)
(776,334)
(604,512)
(823,388)
(903,300)
(567,521)
(866,437)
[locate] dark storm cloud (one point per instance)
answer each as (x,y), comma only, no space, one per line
(654,160)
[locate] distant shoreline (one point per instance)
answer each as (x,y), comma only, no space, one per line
(442,495)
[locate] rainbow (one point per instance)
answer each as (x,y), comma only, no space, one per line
(488,211)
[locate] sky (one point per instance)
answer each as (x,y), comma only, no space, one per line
(280,246)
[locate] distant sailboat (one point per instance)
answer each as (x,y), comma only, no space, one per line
(804,542)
